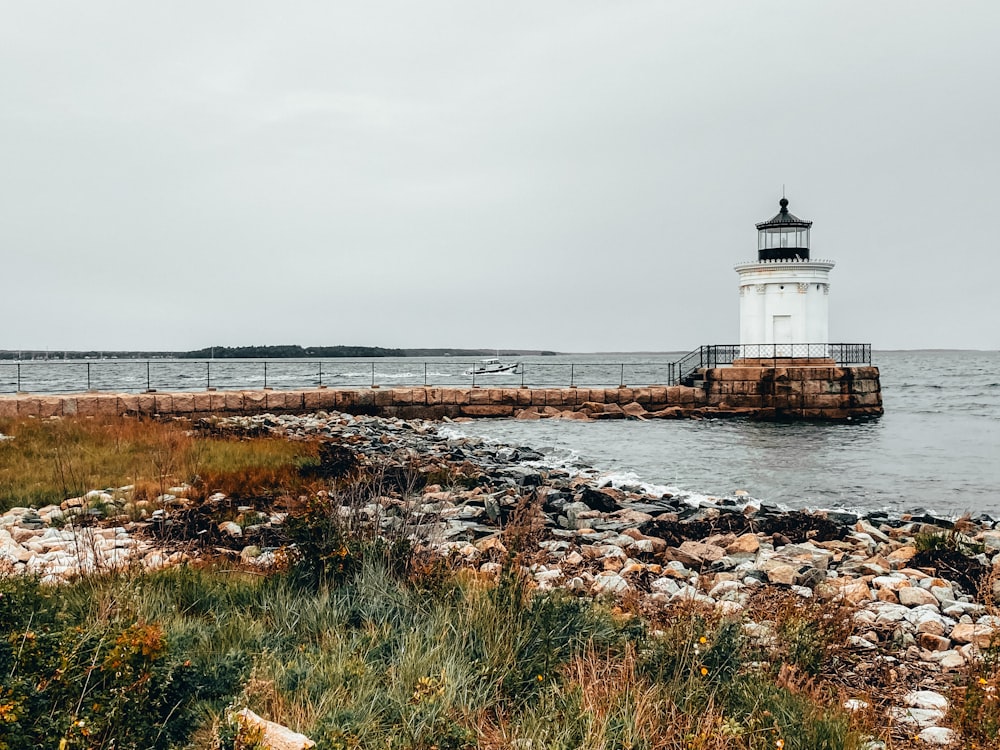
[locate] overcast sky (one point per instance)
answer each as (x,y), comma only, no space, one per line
(577,176)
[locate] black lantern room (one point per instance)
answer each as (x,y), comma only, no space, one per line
(785,237)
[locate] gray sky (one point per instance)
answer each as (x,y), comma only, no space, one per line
(578,175)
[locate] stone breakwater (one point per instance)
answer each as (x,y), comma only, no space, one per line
(916,615)
(827,393)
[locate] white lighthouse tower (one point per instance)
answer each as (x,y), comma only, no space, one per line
(784,294)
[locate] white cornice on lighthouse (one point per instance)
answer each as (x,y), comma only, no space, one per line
(798,263)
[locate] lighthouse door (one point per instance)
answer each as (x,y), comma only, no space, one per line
(782,331)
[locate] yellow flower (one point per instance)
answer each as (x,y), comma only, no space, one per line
(703,639)
(780,743)
(704,671)
(539,678)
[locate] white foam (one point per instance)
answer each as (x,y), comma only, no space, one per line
(621,479)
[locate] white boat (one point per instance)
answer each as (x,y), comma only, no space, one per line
(492,367)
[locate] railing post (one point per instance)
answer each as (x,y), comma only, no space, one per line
(88,376)
(265,374)
(321,373)
(621,381)
(572,375)
(522,375)
(425,374)
(373,374)
(208,376)
(18,377)
(148,386)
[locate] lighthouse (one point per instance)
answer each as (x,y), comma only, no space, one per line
(784,294)
(785,366)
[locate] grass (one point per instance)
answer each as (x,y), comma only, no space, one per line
(975,700)
(361,642)
(155,661)
(51,460)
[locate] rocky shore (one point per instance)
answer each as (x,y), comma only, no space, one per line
(921,591)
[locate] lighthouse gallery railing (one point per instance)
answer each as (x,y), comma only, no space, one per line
(714,355)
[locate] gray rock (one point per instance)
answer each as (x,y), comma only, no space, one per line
(230,528)
(927,699)
(609,583)
(938,736)
(951,660)
(856,641)
(665,586)
(921,717)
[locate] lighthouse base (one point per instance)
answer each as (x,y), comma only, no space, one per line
(795,390)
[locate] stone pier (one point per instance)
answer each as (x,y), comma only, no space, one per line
(763,392)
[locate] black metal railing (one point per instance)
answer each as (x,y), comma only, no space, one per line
(715,355)
(150,375)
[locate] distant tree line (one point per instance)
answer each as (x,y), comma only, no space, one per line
(266,352)
(289,351)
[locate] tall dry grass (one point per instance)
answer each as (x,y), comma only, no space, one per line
(50,460)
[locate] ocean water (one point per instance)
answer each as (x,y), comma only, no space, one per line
(937,448)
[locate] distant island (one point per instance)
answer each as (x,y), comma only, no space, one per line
(281,351)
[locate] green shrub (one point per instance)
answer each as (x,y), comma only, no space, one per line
(334,537)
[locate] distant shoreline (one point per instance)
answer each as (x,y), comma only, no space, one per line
(292,351)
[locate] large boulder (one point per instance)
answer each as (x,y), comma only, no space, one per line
(272,736)
(11,550)
(635,410)
(744,544)
(599,500)
(913,596)
(702,552)
(971,632)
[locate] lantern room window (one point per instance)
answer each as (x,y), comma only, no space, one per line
(770,239)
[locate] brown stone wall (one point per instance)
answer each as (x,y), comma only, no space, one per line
(825,392)
(802,392)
